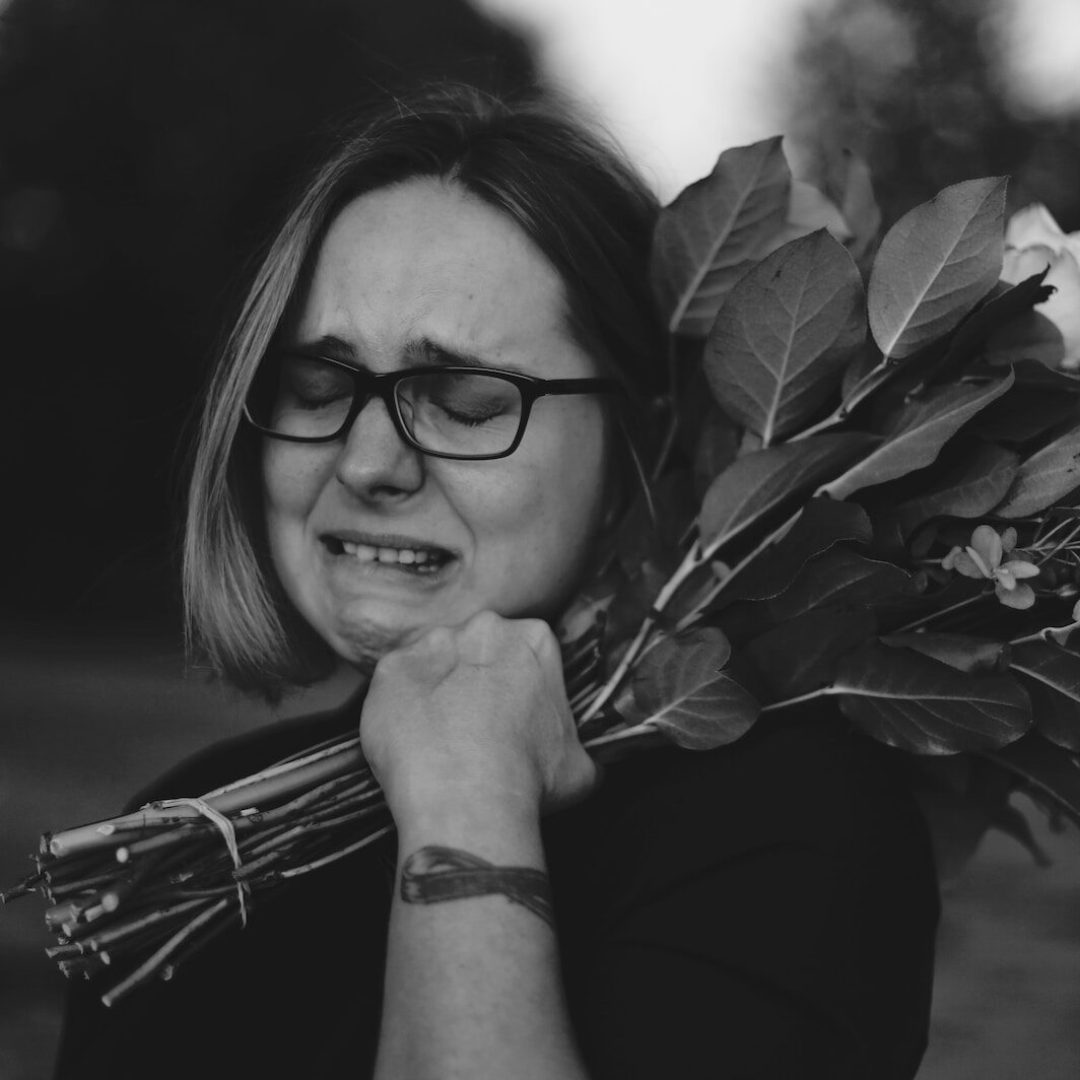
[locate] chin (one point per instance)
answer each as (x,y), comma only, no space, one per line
(362,640)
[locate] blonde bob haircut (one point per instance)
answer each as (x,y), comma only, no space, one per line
(568,188)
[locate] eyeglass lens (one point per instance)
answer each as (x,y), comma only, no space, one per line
(451,413)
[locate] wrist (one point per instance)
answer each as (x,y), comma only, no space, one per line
(473,800)
(492,826)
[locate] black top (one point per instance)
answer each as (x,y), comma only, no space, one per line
(767,910)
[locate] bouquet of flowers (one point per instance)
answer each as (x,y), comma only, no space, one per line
(868,489)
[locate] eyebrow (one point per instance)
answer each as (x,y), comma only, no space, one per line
(426,351)
(420,352)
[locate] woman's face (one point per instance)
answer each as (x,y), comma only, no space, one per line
(413,274)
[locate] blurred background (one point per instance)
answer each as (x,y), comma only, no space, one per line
(147,147)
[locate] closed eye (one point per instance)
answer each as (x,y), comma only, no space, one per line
(308,383)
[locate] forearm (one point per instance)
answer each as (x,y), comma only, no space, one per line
(473,986)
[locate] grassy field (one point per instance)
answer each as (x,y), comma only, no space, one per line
(85,719)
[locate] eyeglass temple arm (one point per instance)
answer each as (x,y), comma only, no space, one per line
(574,386)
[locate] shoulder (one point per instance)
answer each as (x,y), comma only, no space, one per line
(238,756)
(785,882)
(801,780)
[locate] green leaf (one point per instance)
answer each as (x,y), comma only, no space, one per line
(1052,678)
(971,489)
(706,238)
(1044,477)
(1026,413)
(922,706)
(822,524)
(998,311)
(1032,373)
(840,578)
(682,688)
(960,651)
(924,428)
(1031,336)
(866,361)
(935,264)
(762,480)
(963,796)
(1049,770)
(800,655)
(716,448)
(783,335)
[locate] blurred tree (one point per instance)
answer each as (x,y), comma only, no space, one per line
(146,147)
(922,90)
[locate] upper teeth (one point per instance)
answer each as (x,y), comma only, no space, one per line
(368,553)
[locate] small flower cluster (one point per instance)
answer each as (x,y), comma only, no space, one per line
(982,558)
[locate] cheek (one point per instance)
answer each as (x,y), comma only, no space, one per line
(537,522)
(292,481)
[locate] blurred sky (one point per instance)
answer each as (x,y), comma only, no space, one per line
(680,81)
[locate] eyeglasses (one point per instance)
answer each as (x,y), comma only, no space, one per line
(464,413)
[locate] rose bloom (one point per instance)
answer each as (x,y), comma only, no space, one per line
(1033,241)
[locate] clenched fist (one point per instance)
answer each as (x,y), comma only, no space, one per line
(475,717)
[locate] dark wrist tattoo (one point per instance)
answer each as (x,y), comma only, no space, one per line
(434,874)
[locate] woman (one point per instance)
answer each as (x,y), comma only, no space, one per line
(411,450)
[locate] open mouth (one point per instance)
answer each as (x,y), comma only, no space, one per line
(416,559)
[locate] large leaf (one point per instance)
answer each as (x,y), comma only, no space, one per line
(917,704)
(963,796)
(784,334)
(998,311)
(1044,477)
(866,362)
(935,264)
(1046,768)
(925,426)
(840,578)
(1032,373)
(822,524)
(682,688)
(1031,336)
(960,651)
(705,239)
(969,490)
(800,655)
(716,447)
(760,481)
(1026,413)
(1052,678)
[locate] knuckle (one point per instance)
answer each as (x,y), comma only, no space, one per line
(541,638)
(484,622)
(483,632)
(437,639)
(540,632)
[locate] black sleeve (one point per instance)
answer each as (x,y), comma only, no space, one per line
(766,911)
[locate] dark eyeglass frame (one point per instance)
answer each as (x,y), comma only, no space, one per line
(366,386)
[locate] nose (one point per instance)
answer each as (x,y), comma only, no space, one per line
(375,464)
